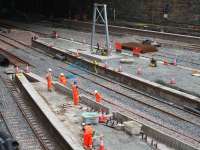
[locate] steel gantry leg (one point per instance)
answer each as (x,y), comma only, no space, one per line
(98,9)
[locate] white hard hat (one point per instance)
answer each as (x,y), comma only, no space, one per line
(62,74)
(95,91)
(50,70)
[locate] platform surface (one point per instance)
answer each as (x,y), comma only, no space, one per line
(63,107)
(161,74)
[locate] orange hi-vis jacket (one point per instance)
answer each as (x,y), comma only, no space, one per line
(63,80)
(49,81)
(87,136)
(75,94)
(98,97)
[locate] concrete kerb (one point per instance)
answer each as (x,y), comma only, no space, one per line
(65,90)
(120,116)
(96,106)
(155,134)
(54,125)
(154,89)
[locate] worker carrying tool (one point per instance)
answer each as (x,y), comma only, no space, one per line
(49,80)
(75,93)
(98,96)
(62,79)
(87,137)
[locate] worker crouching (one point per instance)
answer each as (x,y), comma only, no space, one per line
(98,96)
(62,79)
(49,80)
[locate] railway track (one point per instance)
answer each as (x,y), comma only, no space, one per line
(130,111)
(46,141)
(86,26)
(13,59)
(15,121)
(40,138)
(139,98)
(122,30)
(158,55)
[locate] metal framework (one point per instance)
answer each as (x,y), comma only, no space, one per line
(100,11)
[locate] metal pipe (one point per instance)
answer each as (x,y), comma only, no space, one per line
(107,32)
(93,27)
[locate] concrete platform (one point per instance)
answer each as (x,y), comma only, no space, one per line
(67,140)
(163,73)
(71,46)
(67,111)
(129,76)
(62,106)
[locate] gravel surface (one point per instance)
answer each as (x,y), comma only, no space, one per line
(183,77)
(15,120)
(43,62)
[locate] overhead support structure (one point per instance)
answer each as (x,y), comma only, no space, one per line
(100,11)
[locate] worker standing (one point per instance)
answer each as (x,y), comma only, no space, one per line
(49,80)
(62,79)
(75,93)
(97,96)
(87,137)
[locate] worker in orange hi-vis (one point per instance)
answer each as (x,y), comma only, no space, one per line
(75,93)
(62,79)
(49,80)
(97,96)
(88,137)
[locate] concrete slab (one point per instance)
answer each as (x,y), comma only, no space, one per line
(72,47)
(44,107)
(63,107)
(163,73)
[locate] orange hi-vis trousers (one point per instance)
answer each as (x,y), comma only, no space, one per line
(75,94)
(49,82)
(87,136)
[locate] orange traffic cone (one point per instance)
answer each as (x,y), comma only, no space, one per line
(165,62)
(139,71)
(120,69)
(27,70)
(101,147)
(175,62)
(173,81)
(106,65)
(77,53)
(16,69)
(55,34)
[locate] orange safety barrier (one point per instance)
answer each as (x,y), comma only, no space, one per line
(137,51)
(118,47)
